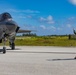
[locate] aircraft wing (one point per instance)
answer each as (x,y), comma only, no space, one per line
(24,31)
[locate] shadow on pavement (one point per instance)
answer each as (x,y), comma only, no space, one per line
(14,49)
(61,59)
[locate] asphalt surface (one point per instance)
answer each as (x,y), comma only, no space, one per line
(38,60)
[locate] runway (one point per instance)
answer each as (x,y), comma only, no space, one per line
(38,60)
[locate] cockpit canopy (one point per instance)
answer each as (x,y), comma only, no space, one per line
(5,16)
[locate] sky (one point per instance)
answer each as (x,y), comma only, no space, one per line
(43,17)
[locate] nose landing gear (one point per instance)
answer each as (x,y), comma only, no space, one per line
(12,45)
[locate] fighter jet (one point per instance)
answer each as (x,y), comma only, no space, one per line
(8,30)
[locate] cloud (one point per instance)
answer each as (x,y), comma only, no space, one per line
(43,27)
(71,21)
(22,17)
(42,19)
(50,28)
(69,25)
(71,18)
(29,16)
(59,28)
(25,16)
(53,28)
(73,2)
(23,11)
(48,19)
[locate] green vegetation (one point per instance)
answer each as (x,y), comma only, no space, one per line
(45,41)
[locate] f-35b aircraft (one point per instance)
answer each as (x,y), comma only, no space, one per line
(8,30)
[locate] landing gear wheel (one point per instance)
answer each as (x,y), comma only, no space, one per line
(74,57)
(4,50)
(12,46)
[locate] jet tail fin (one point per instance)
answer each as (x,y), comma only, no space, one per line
(74,31)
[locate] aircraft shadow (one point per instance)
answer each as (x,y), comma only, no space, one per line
(41,52)
(61,59)
(10,49)
(1,51)
(20,51)
(14,49)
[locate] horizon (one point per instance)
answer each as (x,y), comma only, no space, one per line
(49,17)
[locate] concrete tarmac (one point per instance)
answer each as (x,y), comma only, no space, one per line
(38,60)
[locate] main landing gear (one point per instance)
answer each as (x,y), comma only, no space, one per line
(4,48)
(12,45)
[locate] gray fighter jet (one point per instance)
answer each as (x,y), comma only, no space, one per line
(8,30)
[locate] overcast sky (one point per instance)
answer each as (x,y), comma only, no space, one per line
(46,16)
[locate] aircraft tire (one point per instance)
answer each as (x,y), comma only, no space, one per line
(4,50)
(13,46)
